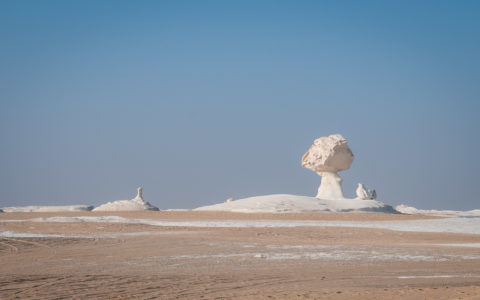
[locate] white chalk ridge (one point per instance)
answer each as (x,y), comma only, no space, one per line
(280,203)
(405,209)
(64,208)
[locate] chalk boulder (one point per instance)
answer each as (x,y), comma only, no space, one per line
(364,194)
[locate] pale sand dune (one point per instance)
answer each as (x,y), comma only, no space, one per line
(434,212)
(122,260)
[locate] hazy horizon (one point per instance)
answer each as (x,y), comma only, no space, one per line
(198,102)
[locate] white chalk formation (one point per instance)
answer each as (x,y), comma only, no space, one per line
(405,209)
(327,156)
(136,203)
(35,208)
(364,194)
(284,203)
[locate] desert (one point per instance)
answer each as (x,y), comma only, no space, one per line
(278,246)
(225,255)
(239,150)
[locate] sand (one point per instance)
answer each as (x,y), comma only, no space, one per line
(64,260)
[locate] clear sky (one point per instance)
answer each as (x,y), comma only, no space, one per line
(199,101)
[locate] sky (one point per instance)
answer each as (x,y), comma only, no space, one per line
(200,101)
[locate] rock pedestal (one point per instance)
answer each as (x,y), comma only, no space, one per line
(139,194)
(330,187)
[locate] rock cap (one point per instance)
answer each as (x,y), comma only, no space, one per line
(328,154)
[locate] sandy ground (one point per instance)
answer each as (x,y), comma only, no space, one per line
(137,261)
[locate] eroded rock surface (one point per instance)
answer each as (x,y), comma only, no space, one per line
(328,154)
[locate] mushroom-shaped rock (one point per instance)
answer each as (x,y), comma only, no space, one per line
(327,156)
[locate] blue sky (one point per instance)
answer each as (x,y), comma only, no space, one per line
(199,101)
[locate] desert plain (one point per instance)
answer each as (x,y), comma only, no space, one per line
(224,255)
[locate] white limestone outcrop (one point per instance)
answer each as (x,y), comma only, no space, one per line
(409,210)
(327,156)
(364,194)
(284,203)
(136,203)
(38,208)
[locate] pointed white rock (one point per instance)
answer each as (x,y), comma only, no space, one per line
(364,194)
(136,203)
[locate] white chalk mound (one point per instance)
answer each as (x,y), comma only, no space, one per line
(47,208)
(136,203)
(433,212)
(281,203)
